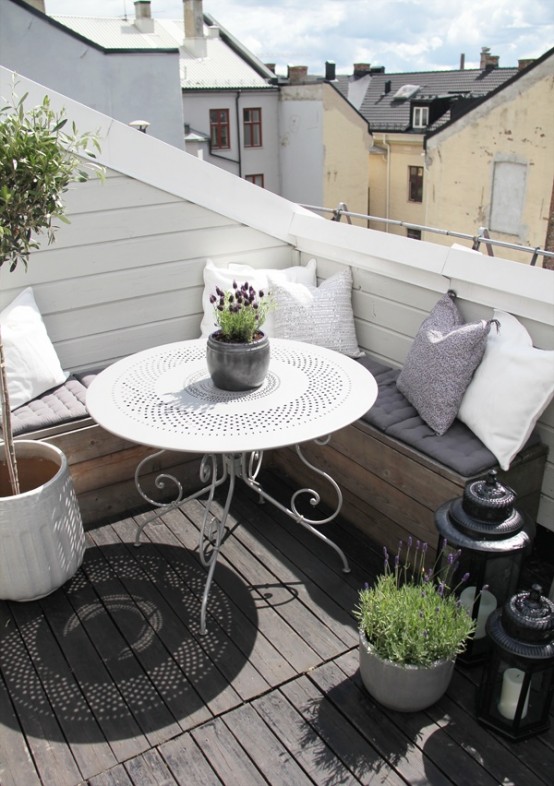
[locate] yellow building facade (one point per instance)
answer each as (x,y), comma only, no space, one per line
(494,166)
(396,162)
(346,142)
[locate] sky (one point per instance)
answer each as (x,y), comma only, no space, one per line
(401,35)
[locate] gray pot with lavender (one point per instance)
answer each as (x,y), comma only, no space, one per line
(411,628)
(238,352)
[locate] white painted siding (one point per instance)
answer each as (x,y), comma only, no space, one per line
(126,273)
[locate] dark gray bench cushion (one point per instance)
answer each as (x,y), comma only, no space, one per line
(63,404)
(393,414)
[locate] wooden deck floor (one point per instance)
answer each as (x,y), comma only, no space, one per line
(108,682)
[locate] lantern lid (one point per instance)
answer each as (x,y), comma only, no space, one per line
(487,509)
(529,616)
(487,499)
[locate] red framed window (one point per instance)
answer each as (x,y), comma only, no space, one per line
(258,180)
(252,127)
(220,129)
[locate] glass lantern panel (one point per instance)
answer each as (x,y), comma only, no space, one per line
(520,696)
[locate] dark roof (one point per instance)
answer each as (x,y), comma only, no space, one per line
(385,112)
(452,117)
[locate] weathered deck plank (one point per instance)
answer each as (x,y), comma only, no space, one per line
(108,682)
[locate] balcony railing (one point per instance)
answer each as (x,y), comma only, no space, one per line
(482,236)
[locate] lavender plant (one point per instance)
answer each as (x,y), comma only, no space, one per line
(412,616)
(240,312)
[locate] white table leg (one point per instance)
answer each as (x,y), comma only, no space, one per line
(213,527)
(249,468)
(211,535)
(208,475)
(245,466)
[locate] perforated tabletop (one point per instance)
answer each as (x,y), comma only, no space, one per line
(164,397)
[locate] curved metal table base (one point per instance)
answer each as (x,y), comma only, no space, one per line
(216,469)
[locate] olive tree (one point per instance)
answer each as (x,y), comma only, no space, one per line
(41,154)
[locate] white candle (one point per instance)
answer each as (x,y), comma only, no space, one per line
(512,680)
(486,606)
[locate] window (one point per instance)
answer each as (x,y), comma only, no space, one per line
(220,130)
(508,196)
(415,184)
(420,117)
(252,122)
(258,180)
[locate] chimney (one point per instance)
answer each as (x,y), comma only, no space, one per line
(193,15)
(38,4)
(524,62)
(488,61)
(462,61)
(271,66)
(143,16)
(361,69)
(330,71)
(297,74)
(388,85)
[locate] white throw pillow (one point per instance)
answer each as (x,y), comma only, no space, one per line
(509,391)
(319,315)
(264,279)
(32,365)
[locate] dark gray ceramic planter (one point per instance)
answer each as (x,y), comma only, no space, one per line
(237,366)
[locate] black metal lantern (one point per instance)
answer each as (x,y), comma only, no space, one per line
(517,686)
(492,538)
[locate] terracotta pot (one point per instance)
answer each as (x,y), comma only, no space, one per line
(403,688)
(237,366)
(41,531)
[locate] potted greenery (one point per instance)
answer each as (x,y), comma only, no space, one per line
(238,351)
(40,523)
(411,627)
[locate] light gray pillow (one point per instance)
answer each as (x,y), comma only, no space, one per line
(440,364)
(318,315)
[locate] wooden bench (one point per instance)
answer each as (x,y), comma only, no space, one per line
(392,489)
(102,465)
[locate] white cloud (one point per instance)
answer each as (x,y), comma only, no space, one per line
(402,35)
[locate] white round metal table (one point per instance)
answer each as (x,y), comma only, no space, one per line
(164,398)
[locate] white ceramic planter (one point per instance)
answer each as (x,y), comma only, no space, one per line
(403,688)
(42,542)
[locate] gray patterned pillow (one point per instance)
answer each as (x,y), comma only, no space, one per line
(441,362)
(319,315)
